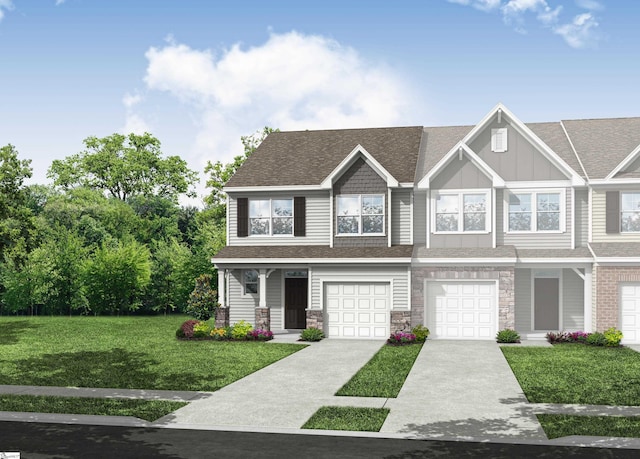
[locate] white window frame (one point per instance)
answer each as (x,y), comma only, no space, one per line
(360,232)
(534,210)
(460,194)
(501,133)
(271,217)
(637,211)
(245,283)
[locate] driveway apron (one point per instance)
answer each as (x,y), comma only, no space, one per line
(286,393)
(462,390)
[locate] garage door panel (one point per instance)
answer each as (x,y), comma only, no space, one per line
(462,309)
(362,310)
(630,313)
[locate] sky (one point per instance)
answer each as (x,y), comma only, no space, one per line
(200,74)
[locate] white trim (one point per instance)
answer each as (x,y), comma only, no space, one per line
(588,299)
(349,159)
(538,185)
(573,219)
(243,282)
(501,132)
(332,203)
(554,261)
(464,261)
(461,193)
(411,204)
(427,222)
(497,181)
(578,273)
(409,292)
(309,287)
(615,182)
(621,210)
(622,261)
(390,213)
(268,189)
(280,261)
(534,210)
(573,148)
(590,217)
(360,215)
(558,275)
(631,157)
(227,213)
(494,223)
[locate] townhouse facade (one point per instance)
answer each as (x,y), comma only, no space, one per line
(466,229)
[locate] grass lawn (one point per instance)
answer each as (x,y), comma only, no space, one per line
(560,425)
(347,418)
(384,374)
(149,410)
(575,373)
(124,353)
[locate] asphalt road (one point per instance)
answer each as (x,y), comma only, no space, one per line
(40,440)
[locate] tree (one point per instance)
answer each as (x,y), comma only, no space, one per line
(203,301)
(219,173)
(125,166)
(29,286)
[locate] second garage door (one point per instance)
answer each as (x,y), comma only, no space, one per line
(357,310)
(461,310)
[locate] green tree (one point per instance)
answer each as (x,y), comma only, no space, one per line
(125,166)
(203,301)
(171,277)
(68,254)
(29,287)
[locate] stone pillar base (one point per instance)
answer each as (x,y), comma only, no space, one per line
(222,317)
(263,318)
(400,321)
(315,319)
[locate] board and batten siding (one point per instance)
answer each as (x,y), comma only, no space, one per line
(572,301)
(582,218)
(318,219)
(397,275)
(522,286)
(401,216)
(242,307)
(599,221)
(533,240)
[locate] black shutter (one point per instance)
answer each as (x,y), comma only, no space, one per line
(299,216)
(613,212)
(243,217)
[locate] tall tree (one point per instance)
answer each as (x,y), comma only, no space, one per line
(125,166)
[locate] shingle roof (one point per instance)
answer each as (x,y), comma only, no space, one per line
(553,135)
(603,143)
(312,252)
(616,249)
(580,252)
(308,157)
(437,142)
(505,251)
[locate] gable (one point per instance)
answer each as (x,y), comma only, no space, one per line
(631,171)
(460,173)
(360,178)
(522,160)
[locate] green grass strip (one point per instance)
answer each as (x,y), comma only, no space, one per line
(575,373)
(561,425)
(384,374)
(347,418)
(149,410)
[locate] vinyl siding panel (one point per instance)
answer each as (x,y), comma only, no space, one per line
(275,300)
(420,218)
(401,217)
(582,218)
(522,285)
(598,220)
(572,301)
(318,219)
(241,307)
(397,275)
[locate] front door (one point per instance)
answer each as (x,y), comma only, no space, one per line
(295,302)
(546,294)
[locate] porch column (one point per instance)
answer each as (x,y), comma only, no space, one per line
(221,287)
(588,300)
(262,288)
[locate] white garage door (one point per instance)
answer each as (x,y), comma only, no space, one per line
(630,313)
(461,310)
(357,310)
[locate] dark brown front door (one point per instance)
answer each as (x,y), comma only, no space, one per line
(295,302)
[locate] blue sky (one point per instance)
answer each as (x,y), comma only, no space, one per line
(199,74)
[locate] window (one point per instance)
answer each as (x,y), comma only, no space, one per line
(360,214)
(461,212)
(250,280)
(270,217)
(499,142)
(630,212)
(533,211)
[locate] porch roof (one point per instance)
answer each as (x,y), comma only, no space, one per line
(580,252)
(616,249)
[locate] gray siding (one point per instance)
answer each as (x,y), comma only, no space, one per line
(460,173)
(318,219)
(360,178)
(364,273)
(241,307)
(522,285)
(521,161)
(572,301)
(582,218)
(461,240)
(420,218)
(401,217)
(275,301)
(533,240)
(598,221)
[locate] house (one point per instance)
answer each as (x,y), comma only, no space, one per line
(466,229)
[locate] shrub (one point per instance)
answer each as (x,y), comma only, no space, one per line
(612,337)
(311,334)
(203,301)
(260,335)
(186,329)
(560,337)
(596,339)
(240,329)
(201,330)
(400,338)
(578,337)
(421,333)
(220,334)
(508,336)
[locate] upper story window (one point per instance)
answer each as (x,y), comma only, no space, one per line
(458,212)
(535,211)
(630,212)
(499,140)
(270,217)
(360,214)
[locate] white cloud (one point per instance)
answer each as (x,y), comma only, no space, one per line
(591,5)
(5,5)
(133,121)
(292,82)
(129,100)
(580,33)
(482,5)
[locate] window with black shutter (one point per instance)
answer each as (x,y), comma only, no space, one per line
(612,212)
(299,217)
(243,217)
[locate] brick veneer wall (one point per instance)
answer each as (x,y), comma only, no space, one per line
(608,278)
(315,319)
(504,275)
(263,318)
(400,321)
